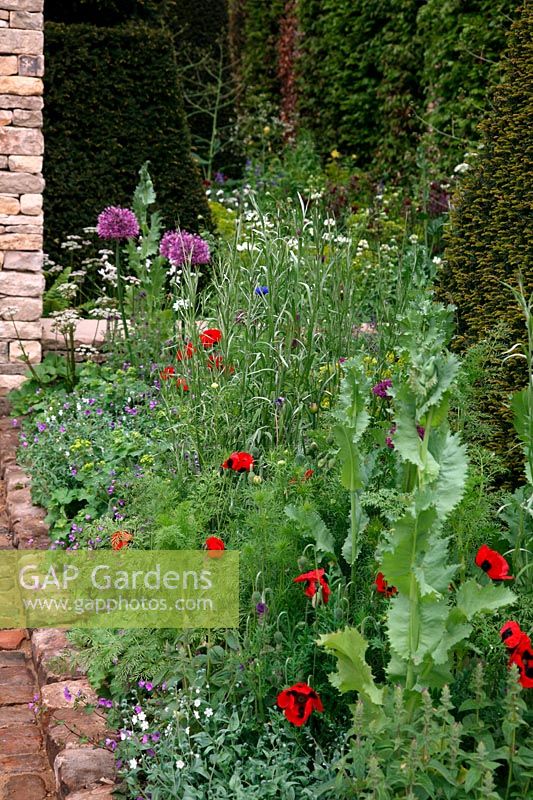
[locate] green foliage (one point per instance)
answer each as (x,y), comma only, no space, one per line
(353,673)
(491,236)
(358,70)
(104,12)
(117,89)
(462,42)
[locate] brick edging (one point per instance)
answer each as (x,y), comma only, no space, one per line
(82,771)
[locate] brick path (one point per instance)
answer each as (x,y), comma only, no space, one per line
(25,772)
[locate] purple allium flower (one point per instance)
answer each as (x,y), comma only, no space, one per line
(66,694)
(117,223)
(261,290)
(261,609)
(181,247)
(380,389)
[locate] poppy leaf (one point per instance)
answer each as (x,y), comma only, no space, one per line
(353,672)
(472,599)
(312,527)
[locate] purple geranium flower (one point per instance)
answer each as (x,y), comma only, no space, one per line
(117,223)
(181,247)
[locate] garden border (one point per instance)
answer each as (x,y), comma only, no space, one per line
(82,770)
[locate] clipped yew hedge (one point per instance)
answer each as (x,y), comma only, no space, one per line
(113,101)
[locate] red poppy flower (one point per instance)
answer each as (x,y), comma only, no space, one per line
(239,462)
(511,634)
(383,587)
(214,543)
(298,702)
(181,383)
(494,564)
(522,656)
(167,373)
(308,474)
(120,539)
(210,337)
(187,352)
(313,580)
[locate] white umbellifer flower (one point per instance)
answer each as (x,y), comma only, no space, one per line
(437,261)
(208,712)
(9,312)
(133,763)
(180,764)
(462,167)
(413,238)
(330,222)
(181,302)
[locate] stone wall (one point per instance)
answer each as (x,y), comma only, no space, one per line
(21,186)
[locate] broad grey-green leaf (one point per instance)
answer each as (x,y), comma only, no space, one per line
(361,521)
(471,598)
(405,548)
(351,472)
(353,673)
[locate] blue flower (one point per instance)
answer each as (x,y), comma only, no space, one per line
(261,290)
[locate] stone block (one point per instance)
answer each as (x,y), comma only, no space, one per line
(77,725)
(8,65)
(31,534)
(20,183)
(20,84)
(21,284)
(82,768)
(100,793)
(32,66)
(35,229)
(16,478)
(31,164)
(21,765)
(31,349)
(20,101)
(11,640)
(20,241)
(26,787)
(9,205)
(31,204)
(53,694)
(26,330)
(14,42)
(21,141)
(10,220)
(7,384)
(29,309)
(6,117)
(3,162)
(26,20)
(23,5)
(88,331)
(28,119)
(24,261)
(27,740)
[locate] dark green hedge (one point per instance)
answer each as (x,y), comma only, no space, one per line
(491,237)
(359,76)
(462,44)
(112,102)
(104,12)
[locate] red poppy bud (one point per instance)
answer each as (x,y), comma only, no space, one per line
(187,352)
(298,703)
(167,373)
(181,383)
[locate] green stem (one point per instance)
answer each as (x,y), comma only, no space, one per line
(120,293)
(353,529)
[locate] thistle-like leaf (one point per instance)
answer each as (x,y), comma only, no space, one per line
(312,527)
(406,547)
(353,673)
(471,598)
(361,521)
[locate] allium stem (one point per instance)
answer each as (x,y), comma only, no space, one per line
(120,293)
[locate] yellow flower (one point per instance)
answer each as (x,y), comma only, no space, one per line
(146,459)
(88,466)
(266,130)
(257,479)
(335,153)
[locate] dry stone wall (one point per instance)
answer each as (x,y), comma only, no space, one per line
(21,187)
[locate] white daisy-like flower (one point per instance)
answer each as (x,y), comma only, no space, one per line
(197,702)
(208,712)
(180,764)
